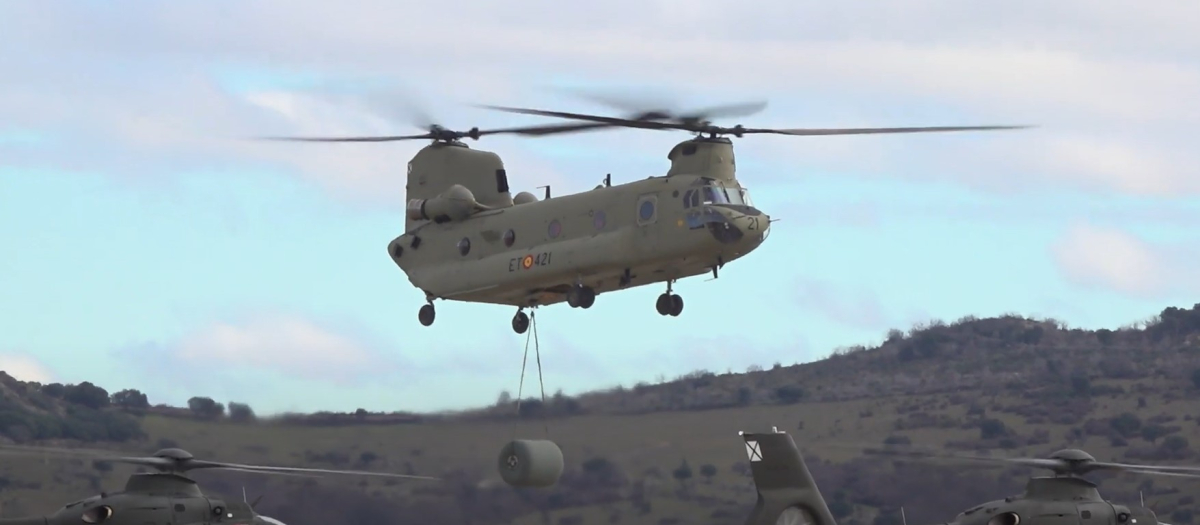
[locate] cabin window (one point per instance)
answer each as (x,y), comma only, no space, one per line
(179,507)
(501,181)
(1085,514)
(689,149)
(646,210)
(509,238)
(555,229)
(464,246)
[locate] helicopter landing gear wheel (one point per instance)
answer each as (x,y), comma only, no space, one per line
(581,296)
(427,314)
(520,322)
(669,303)
(676,305)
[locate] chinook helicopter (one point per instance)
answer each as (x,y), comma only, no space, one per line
(788,495)
(468,238)
(167,496)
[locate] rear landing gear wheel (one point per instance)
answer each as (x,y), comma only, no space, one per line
(426,315)
(581,297)
(663,305)
(520,322)
(669,304)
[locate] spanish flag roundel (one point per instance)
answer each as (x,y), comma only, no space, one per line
(527,262)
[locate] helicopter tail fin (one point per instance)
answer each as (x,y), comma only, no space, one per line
(783,482)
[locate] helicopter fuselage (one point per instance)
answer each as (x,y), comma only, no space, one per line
(611,237)
(159,499)
(1056,501)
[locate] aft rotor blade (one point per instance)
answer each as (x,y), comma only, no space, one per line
(260,468)
(873,131)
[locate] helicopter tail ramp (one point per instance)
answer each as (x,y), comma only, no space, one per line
(787,493)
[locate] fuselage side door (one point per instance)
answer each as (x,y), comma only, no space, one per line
(646,214)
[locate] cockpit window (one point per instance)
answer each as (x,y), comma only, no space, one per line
(715,195)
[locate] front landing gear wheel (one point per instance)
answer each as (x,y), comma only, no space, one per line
(676,305)
(520,322)
(426,315)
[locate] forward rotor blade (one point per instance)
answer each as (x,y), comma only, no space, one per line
(614,121)
(260,468)
(350,139)
(726,111)
(536,131)
(872,131)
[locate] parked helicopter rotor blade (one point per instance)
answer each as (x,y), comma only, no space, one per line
(201,464)
(180,465)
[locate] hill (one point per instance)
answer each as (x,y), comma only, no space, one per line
(668,452)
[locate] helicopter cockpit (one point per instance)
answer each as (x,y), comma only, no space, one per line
(715,192)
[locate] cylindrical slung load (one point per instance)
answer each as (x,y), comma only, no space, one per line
(531,463)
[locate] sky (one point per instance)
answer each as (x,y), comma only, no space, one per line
(148,243)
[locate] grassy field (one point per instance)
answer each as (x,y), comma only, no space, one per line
(1017,386)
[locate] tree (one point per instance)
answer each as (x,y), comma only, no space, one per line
(1081,385)
(708,470)
(205,407)
(240,412)
(504,399)
(992,428)
(86,394)
(789,394)
(683,473)
(130,398)
(1126,424)
(1105,336)
(1195,378)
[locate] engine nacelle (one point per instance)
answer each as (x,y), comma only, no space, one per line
(455,204)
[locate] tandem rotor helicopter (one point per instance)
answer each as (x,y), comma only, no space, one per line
(165,497)
(468,238)
(788,494)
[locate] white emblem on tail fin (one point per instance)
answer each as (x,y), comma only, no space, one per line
(753,451)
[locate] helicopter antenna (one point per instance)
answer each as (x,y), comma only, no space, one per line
(244,500)
(1142,498)
(903,520)
(608,180)
(547,191)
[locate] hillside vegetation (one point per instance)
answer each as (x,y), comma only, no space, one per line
(668,453)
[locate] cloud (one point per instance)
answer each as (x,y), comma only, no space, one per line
(290,345)
(1111,85)
(25,368)
(1115,260)
(856,308)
